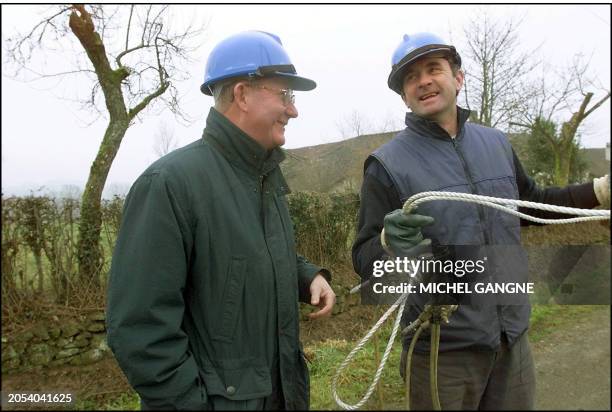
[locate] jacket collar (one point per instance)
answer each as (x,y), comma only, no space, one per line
(239,148)
(433,129)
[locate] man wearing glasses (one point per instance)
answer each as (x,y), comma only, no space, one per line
(205,280)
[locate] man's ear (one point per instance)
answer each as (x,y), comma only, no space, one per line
(459,77)
(241,95)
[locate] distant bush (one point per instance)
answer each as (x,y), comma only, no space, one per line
(324,224)
(39,247)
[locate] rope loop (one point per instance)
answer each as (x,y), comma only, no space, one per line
(506,205)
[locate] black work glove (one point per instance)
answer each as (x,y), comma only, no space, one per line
(401,234)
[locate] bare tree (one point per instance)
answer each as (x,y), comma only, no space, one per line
(353,125)
(390,123)
(496,70)
(165,141)
(132,57)
(565,99)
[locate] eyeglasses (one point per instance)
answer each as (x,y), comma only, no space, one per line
(286,94)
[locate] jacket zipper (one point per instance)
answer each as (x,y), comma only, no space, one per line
(480,215)
(261,209)
(278,296)
(466,170)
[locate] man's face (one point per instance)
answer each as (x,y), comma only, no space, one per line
(430,88)
(268,113)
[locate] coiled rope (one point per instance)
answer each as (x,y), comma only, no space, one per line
(505,205)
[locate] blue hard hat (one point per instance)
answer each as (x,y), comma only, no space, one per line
(413,47)
(251,54)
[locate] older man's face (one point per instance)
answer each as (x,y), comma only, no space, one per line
(269,112)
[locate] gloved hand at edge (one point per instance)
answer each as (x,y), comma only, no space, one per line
(601,186)
(401,232)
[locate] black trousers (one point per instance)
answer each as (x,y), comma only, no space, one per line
(468,380)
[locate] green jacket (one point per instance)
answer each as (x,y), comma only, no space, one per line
(205,280)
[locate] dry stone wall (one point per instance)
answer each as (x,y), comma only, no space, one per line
(75,341)
(81,341)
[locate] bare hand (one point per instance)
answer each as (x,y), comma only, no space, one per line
(321,295)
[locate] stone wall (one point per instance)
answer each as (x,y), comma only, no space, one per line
(76,341)
(80,341)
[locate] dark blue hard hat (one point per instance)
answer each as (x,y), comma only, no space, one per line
(413,47)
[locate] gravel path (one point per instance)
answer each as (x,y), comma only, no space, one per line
(573,365)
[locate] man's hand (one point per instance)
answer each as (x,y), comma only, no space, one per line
(321,295)
(601,186)
(402,232)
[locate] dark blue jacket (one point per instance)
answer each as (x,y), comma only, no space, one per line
(480,160)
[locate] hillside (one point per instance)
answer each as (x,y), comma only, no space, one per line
(332,166)
(338,166)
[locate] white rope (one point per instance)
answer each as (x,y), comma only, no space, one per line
(401,302)
(502,204)
(412,203)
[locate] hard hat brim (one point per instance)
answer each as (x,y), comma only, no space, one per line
(296,82)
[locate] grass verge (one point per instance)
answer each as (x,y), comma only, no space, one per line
(326,356)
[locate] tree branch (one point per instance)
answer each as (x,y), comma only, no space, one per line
(599,103)
(129,25)
(583,106)
(528,126)
(127,51)
(138,108)
(41,75)
(83,28)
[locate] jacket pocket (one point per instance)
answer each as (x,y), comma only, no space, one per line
(232,299)
(237,379)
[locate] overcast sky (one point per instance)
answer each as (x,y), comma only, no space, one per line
(346,49)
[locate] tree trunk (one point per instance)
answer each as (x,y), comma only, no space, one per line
(563,154)
(567,163)
(561,174)
(90,254)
